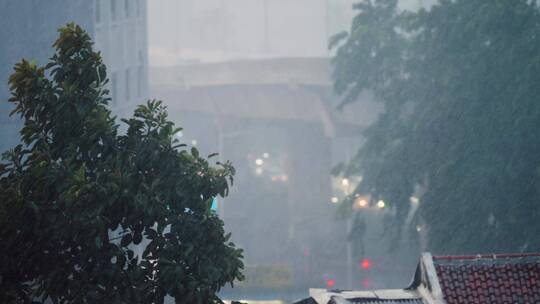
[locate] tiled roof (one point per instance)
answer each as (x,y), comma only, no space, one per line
(489,279)
(480,279)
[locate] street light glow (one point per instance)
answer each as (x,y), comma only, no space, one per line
(258,170)
(334,200)
(414,200)
(345,182)
(259,162)
(381,204)
(361,202)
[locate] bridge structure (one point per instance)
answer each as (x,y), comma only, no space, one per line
(277,121)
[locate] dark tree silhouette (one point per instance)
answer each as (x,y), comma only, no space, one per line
(90,216)
(460,86)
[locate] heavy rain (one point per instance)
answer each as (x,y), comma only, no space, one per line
(270,151)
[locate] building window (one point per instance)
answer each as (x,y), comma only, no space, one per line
(98,10)
(113,10)
(114,88)
(127,8)
(140,81)
(140,74)
(128,97)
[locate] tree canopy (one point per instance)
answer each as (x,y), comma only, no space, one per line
(460,84)
(88,215)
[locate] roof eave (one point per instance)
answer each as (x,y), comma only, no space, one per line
(428,285)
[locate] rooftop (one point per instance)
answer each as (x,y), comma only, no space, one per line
(511,278)
(479,279)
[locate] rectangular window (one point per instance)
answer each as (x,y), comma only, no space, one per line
(114,89)
(127,8)
(98,10)
(113,10)
(140,78)
(128,97)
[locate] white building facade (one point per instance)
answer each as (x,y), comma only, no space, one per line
(119,30)
(120,33)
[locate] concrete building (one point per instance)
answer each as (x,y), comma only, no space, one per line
(276,120)
(251,79)
(118,27)
(120,33)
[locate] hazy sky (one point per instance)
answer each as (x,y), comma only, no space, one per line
(185,31)
(216,30)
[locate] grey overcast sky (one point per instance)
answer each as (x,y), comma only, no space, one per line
(216,30)
(186,31)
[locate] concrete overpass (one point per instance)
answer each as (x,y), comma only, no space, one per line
(299,89)
(276,119)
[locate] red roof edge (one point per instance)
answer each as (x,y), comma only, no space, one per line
(486,256)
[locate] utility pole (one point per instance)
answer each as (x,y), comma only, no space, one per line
(220,128)
(350,264)
(347,190)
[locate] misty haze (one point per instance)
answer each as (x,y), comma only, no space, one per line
(270,151)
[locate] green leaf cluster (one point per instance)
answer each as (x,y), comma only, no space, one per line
(459,84)
(91,216)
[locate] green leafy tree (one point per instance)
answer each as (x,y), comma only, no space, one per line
(459,84)
(91,216)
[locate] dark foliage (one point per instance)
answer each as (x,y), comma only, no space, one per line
(90,216)
(460,86)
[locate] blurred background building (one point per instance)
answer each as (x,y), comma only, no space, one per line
(275,119)
(252,80)
(120,33)
(118,27)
